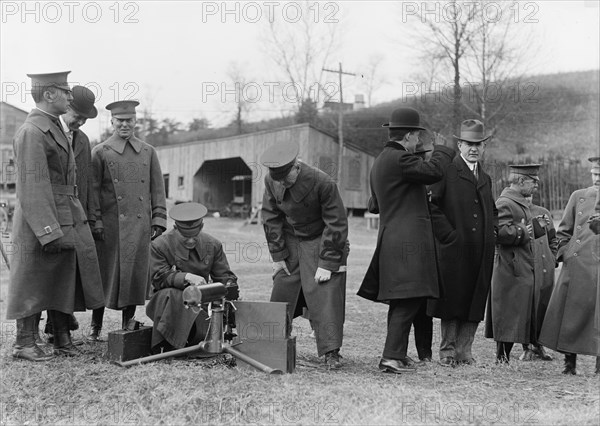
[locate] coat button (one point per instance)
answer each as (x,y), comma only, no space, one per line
(476,201)
(116,180)
(578,241)
(139,215)
(141,198)
(581,200)
(119,198)
(579,213)
(544,270)
(122,216)
(575,254)
(578,226)
(475,215)
(143,180)
(474,229)
(543,256)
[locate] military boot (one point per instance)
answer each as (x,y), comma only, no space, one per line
(62,336)
(570,364)
(96,325)
(127,315)
(25,346)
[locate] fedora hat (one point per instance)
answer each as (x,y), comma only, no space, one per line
(472,131)
(405,118)
(83,102)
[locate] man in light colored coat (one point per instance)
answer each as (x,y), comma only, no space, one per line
(130,211)
(54,267)
(570,322)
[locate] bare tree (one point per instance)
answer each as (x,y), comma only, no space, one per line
(372,77)
(241,97)
(301,50)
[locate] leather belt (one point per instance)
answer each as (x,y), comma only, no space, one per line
(70,190)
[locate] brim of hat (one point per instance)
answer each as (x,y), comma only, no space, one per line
(423,151)
(93,113)
(458,138)
(403,127)
(124,115)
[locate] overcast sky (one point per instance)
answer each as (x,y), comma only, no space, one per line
(163,53)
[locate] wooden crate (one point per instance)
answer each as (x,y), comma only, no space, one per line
(124,345)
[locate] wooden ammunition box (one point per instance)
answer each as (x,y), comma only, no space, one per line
(279,354)
(124,345)
(264,321)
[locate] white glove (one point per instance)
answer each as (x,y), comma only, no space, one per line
(278,266)
(194,279)
(322,275)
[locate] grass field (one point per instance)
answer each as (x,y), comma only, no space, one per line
(90,390)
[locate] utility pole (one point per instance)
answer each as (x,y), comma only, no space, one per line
(340,123)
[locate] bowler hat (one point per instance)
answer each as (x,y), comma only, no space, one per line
(83,102)
(122,109)
(280,158)
(472,131)
(405,118)
(55,79)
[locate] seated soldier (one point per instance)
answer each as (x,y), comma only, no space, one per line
(181,257)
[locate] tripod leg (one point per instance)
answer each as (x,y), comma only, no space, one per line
(254,363)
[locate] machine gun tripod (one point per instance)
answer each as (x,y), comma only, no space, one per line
(219,337)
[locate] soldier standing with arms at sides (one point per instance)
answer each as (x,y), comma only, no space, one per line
(130,211)
(55,268)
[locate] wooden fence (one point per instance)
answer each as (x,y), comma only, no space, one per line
(559,177)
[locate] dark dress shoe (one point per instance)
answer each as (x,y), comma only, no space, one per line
(94,336)
(425,360)
(540,353)
(570,370)
(333,359)
(30,353)
(77,342)
(396,366)
(68,350)
(527,355)
(447,361)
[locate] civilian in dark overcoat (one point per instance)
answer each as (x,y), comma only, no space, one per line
(510,312)
(306,228)
(179,258)
(55,266)
(403,271)
(130,211)
(569,324)
(463,211)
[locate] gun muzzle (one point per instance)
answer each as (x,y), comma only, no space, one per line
(195,295)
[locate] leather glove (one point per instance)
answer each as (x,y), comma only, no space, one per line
(156,231)
(278,266)
(53,246)
(194,279)
(233,291)
(98,234)
(322,275)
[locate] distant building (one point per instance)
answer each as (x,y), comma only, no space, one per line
(359,103)
(11,118)
(226,171)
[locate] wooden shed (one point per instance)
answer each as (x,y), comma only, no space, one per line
(223,172)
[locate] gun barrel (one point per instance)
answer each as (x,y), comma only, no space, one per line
(254,363)
(164,355)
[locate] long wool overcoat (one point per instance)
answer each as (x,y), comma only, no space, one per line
(569,321)
(510,311)
(47,210)
(463,214)
(404,264)
(131,198)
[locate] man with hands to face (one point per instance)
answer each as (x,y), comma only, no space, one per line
(306,229)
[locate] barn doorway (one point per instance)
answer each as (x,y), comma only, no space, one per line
(224,185)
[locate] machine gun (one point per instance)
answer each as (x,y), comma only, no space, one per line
(217,299)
